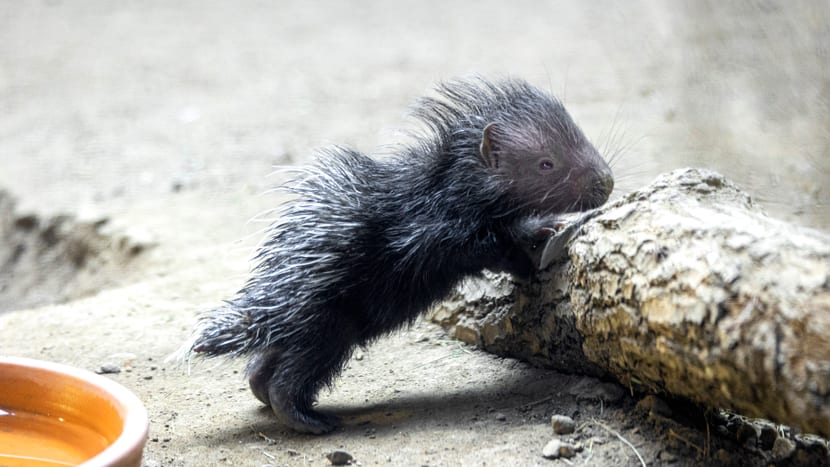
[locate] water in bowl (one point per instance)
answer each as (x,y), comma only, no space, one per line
(38,440)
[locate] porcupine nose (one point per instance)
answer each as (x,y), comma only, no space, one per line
(596,186)
(605,181)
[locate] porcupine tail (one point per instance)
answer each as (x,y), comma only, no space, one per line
(222,331)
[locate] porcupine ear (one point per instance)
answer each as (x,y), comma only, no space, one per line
(489,147)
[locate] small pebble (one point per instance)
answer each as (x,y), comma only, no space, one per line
(562,425)
(177,185)
(26,221)
(339,457)
(551,450)
(557,448)
(500,416)
(108,369)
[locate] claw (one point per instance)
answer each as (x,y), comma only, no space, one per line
(556,246)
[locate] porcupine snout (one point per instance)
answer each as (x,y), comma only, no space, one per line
(594,180)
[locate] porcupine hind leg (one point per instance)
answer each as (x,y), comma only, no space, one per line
(288,382)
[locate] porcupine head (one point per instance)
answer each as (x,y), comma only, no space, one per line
(549,165)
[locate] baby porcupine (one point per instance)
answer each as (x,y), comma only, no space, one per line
(367,245)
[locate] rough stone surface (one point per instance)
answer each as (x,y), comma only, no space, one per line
(339,458)
(557,448)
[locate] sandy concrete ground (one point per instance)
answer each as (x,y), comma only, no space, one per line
(166,117)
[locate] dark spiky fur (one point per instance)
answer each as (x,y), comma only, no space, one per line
(367,245)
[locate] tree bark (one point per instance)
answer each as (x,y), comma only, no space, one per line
(684,288)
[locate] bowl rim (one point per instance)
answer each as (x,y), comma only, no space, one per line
(136,422)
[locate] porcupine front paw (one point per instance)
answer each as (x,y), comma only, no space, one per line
(544,239)
(527,238)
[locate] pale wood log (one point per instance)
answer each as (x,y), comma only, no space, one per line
(684,288)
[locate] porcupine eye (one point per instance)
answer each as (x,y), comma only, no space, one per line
(545,165)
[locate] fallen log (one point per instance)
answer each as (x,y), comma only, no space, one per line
(683,288)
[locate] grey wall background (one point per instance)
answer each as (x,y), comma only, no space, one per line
(112,101)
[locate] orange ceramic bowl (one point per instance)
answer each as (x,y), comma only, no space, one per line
(56,415)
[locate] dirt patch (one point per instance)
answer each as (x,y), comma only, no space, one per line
(46,260)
